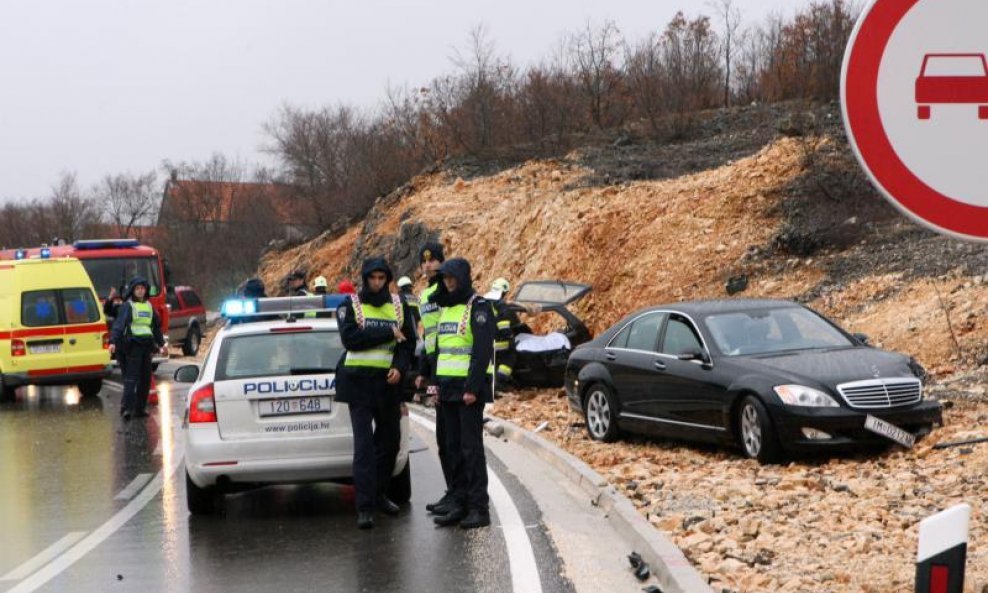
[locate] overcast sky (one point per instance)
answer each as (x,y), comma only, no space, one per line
(117,86)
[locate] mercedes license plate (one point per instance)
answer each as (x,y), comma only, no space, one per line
(889,431)
(293,405)
(44,348)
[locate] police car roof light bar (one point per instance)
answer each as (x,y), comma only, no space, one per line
(290,306)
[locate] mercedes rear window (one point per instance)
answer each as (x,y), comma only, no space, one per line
(279,354)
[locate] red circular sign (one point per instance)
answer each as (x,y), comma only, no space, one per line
(871,141)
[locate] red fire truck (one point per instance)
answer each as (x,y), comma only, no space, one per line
(111,264)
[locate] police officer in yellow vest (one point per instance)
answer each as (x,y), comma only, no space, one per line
(377,332)
(431,256)
(465,347)
(136,335)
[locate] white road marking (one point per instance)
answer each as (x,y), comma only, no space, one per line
(44,557)
(521,555)
(132,488)
(76,552)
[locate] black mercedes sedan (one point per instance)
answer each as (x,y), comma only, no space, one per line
(773,377)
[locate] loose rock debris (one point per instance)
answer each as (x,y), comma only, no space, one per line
(815,525)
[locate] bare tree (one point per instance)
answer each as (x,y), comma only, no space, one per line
(730,19)
(72,215)
(594,53)
(129,201)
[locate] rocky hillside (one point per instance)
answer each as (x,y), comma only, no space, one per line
(766,197)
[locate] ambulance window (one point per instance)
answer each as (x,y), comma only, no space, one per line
(39,308)
(79,305)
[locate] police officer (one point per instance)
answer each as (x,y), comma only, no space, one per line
(465,346)
(137,334)
(375,327)
(430,258)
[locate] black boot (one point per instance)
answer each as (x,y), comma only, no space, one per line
(387,507)
(365,519)
(441,506)
(476,518)
(453,517)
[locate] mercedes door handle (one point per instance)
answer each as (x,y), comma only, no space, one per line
(659,365)
(610,356)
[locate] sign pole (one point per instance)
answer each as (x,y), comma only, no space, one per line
(942,552)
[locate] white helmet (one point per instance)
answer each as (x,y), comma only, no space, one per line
(404,281)
(501,285)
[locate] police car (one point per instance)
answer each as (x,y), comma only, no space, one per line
(262,407)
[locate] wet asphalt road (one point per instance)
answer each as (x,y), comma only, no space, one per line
(77,481)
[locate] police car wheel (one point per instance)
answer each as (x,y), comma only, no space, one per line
(400,487)
(600,411)
(201,501)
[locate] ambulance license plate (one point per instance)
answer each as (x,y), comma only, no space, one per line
(293,405)
(44,348)
(889,431)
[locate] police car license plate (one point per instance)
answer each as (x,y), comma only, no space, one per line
(889,431)
(293,405)
(44,348)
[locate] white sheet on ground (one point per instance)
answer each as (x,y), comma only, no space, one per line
(546,343)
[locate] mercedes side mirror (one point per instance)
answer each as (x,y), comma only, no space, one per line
(863,338)
(694,354)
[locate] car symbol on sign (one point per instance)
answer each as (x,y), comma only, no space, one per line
(952,79)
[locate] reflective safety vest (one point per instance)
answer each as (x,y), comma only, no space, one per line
(430,318)
(455,341)
(141,315)
(501,340)
(380,356)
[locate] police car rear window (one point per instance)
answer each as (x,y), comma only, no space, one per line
(66,306)
(270,354)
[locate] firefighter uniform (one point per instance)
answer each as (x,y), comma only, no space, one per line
(367,321)
(464,345)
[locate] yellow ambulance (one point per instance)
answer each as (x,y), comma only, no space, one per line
(52,330)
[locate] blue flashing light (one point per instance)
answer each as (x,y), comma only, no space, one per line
(106,243)
(238,307)
(20,254)
(45,253)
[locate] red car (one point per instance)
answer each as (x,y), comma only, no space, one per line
(186,319)
(952,79)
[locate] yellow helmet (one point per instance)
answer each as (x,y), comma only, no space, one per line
(320,282)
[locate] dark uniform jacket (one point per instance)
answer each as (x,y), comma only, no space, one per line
(361,385)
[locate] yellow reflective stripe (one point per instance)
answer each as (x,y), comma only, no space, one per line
(504,369)
(452,367)
(503,324)
(501,346)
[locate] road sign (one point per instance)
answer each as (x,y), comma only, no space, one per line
(942,553)
(914,92)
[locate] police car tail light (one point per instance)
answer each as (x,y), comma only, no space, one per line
(106,341)
(17,348)
(202,405)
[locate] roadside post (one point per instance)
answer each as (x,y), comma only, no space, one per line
(942,552)
(914,96)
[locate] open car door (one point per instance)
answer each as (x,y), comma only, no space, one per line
(555,295)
